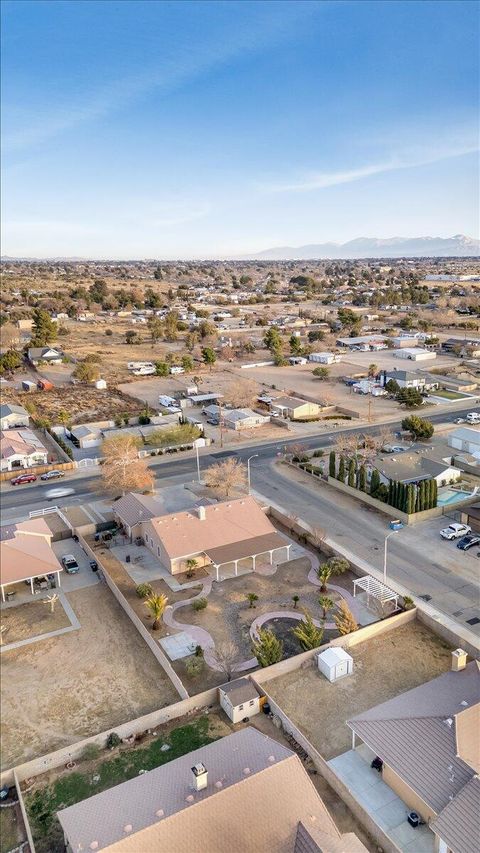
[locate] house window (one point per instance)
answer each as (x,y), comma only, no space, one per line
(158,550)
(252,702)
(240,707)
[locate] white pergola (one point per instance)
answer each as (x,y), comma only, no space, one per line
(31,578)
(375,588)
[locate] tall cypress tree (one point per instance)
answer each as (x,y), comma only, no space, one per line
(351,473)
(332,464)
(410,498)
(374,482)
(341,470)
(434,493)
(362,478)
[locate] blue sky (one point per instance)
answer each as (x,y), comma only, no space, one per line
(206,129)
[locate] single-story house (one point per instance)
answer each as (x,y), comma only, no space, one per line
(85,436)
(413,467)
(239,419)
(462,346)
(466,439)
(360,341)
(13,416)
(409,379)
(50,354)
(294,408)
(20,448)
(427,741)
(472,517)
(239,699)
(26,553)
(133,509)
(243,792)
(225,533)
(324,357)
(462,384)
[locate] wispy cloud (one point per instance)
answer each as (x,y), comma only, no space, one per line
(322,180)
(186,62)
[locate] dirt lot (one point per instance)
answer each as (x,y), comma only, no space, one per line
(72,686)
(31,620)
(384,667)
(82,402)
(299,380)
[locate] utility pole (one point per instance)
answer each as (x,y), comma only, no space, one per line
(369,409)
(220,421)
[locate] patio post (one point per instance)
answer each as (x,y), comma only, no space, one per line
(353,739)
(3,594)
(254,558)
(58,578)
(31,585)
(216,570)
(271,557)
(236,567)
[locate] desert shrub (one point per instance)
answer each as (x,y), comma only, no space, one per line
(143,590)
(200,603)
(318,453)
(194,666)
(113,740)
(408,602)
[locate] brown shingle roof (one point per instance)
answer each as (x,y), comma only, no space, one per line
(257,792)
(239,691)
(415,734)
(133,508)
(225,523)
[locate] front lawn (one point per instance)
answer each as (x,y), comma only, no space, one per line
(448,395)
(109,769)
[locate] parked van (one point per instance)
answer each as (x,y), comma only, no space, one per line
(473,418)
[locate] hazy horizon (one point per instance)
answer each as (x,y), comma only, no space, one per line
(220,130)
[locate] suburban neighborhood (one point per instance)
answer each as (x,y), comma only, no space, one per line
(240,427)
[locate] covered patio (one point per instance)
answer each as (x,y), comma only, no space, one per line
(249,549)
(19,564)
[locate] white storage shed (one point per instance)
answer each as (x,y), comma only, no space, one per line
(239,699)
(415,353)
(335,663)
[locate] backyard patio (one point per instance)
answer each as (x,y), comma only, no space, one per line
(380,801)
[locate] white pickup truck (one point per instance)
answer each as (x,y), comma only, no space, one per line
(473,418)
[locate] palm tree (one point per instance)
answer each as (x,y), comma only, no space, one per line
(326,604)
(324,575)
(191,565)
(252,598)
(372,370)
(295,599)
(63,418)
(156,605)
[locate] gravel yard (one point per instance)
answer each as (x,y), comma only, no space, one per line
(32,619)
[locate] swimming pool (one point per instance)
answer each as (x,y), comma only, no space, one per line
(451,496)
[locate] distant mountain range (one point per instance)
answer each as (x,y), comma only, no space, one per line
(372,247)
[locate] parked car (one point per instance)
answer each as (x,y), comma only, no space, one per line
(459,421)
(70,564)
(52,475)
(23,478)
(455,531)
(52,494)
(468,542)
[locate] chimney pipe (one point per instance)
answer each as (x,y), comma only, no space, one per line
(202,513)
(459,660)
(200,777)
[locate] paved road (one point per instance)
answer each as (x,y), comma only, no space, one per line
(417,557)
(16,497)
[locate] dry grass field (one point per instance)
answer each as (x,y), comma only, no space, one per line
(32,620)
(60,690)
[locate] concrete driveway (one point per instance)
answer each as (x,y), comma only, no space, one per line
(85,577)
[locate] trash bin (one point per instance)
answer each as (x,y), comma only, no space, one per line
(127,558)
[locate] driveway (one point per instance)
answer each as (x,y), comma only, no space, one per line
(85,577)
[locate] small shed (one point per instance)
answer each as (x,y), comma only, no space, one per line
(334,663)
(239,699)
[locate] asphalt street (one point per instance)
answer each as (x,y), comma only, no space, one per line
(417,557)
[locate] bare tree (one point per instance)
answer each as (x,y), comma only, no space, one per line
(318,536)
(122,469)
(347,445)
(51,600)
(242,394)
(225,657)
(226,476)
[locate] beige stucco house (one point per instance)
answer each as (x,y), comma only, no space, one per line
(244,793)
(26,553)
(219,534)
(294,408)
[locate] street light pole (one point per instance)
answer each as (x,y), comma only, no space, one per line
(387,537)
(195,444)
(248,469)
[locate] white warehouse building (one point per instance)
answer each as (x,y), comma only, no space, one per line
(324,357)
(414,353)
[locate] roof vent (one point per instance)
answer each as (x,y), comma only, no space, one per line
(246,771)
(271,758)
(128,827)
(190,798)
(219,784)
(449,722)
(202,513)
(94,845)
(200,776)
(159,813)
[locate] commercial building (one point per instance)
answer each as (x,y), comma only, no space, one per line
(415,353)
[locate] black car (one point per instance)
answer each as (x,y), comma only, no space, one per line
(468,542)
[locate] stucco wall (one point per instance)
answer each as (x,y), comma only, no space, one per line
(406,794)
